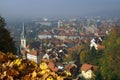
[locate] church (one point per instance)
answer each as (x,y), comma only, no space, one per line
(25,51)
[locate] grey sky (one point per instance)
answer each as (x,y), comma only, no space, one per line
(41,8)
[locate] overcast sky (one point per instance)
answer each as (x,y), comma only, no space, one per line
(44,8)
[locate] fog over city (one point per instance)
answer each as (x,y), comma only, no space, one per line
(58,8)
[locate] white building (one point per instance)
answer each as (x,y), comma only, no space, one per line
(44,35)
(59,23)
(23,38)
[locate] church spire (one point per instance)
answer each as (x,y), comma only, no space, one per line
(23,32)
(23,37)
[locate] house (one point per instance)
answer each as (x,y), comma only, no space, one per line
(97,43)
(32,55)
(44,23)
(93,44)
(87,71)
(44,35)
(65,33)
(59,33)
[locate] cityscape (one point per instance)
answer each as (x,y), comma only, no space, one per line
(59,40)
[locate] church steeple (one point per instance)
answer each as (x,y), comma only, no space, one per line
(23,38)
(23,32)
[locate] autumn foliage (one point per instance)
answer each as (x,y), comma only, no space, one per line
(14,68)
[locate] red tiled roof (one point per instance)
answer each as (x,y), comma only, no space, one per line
(68,67)
(86,67)
(33,52)
(68,29)
(101,47)
(69,33)
(52,67)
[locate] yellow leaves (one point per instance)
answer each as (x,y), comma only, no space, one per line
(50,78)
(21,67)
(27,70)
(68,73)
(60,78)
(17,62)
(43,66)
(33,63)
(53,74)
(34,74)
(44,71)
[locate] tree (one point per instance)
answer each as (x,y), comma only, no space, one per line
(88,55)
(83,56)
(2,22)
(110,61)
(6,42)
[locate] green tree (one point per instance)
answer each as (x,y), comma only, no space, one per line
(6,42)
(91,56)
(110,62)
(88,55)
(83,56)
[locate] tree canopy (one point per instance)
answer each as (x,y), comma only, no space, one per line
(6,41)
(110,61)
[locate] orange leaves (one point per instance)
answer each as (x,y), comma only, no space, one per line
(14,68)
(3,57)
(12,72)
